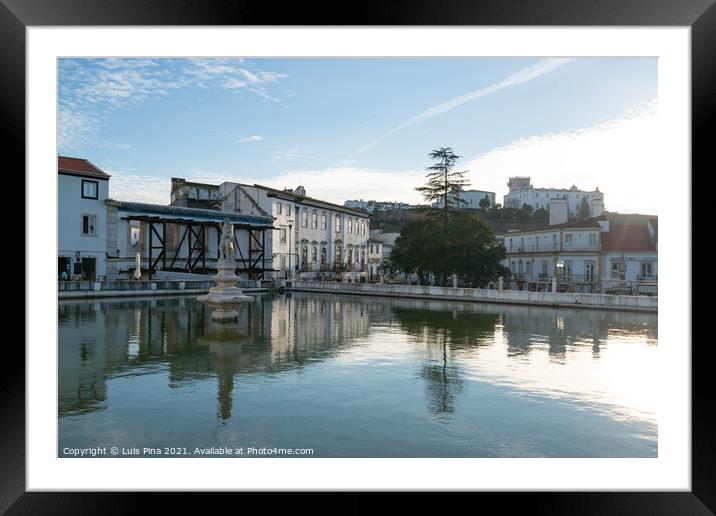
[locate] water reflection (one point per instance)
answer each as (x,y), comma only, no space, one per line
(361,358)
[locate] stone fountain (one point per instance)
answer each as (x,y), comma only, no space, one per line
(225,296)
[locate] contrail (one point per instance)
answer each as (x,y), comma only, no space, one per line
(524,75)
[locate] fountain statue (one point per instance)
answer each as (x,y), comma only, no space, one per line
(226,296)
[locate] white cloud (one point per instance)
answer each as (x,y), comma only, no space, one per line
(252,138)
(232,83)
(524,75)
(620,156)
(91,88)
(332,184)
(73,128)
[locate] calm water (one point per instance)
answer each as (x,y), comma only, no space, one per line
(357,377)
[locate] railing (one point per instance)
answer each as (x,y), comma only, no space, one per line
(540,248)
(534,248)
(580,247)
(583,284)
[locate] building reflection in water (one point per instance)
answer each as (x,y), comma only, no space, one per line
(102,340)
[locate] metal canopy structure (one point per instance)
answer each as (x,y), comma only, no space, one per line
(195,234)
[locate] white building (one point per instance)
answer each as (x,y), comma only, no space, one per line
(629,252)
(312,239)
(472,199)
(522,192)
(588,250)
(373,206)
(82,219)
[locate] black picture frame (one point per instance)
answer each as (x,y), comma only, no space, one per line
(700,15)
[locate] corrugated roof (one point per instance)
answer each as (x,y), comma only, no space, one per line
(628,238)
(180,211)
(79,166)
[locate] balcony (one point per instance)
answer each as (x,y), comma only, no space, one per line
(534,248)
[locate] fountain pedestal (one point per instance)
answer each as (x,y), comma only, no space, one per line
(225,297)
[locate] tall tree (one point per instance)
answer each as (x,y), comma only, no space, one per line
(444,184)
(485,202)
(584,211)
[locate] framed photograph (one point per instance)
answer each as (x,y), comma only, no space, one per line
(416,253)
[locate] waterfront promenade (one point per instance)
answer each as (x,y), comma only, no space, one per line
(516,297)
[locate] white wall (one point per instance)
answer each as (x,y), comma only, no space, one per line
(71,206)
(539,198)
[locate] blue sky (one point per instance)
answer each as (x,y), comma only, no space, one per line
(361,128)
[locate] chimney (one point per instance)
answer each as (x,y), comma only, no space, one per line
(558,211)
(597,206)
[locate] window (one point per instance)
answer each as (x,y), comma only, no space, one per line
(589,271)
(314,220)
(90,189)
(134,232)
(283,262)
(618,270)
(278,208)
(323,221)
(282,235)
(592,239)
(288,210)
(646,269)
(89,225)
(568,239)
(314,254)
(350,226)
(338,222)
(362,227)
(304,218)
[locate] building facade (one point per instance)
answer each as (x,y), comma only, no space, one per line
(584,251)
(312,239)
(522,192)
(82,219)
(472,200)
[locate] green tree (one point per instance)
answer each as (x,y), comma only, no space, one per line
(467,247)
(541,215)
(525,212)
(584,211)
(444,184)
(485,202)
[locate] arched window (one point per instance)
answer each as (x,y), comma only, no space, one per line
(314,254)
(323,255)
(362,256)
(304,254)
(339,253)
